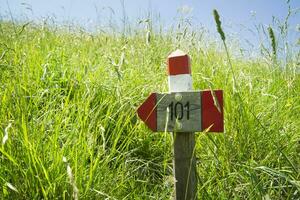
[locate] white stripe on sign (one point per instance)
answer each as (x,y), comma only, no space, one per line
(181,82)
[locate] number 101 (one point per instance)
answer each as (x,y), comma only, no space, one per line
(177,110)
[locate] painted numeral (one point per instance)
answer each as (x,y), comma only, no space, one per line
(177,110)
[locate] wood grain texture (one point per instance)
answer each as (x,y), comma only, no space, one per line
(185,166)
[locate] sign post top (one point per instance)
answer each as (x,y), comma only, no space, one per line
(178,63)
(177,53)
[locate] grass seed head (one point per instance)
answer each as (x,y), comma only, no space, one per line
(273,40)
(5,138)
(72,182)
(218,23)
(10,186)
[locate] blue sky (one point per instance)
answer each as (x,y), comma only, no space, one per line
(95,11)
(235,14)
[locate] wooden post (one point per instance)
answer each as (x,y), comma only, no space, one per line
(183,111)
(180,80)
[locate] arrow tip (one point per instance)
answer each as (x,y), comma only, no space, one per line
(212,110)
(147,112)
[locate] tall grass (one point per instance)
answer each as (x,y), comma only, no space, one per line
(70,131)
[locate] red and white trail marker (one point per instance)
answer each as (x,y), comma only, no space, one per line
(183,111)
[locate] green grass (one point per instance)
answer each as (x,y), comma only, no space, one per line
(69,127)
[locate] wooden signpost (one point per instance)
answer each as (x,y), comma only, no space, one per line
(183,112)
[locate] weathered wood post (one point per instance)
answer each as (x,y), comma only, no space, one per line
(180,80)
(183,112)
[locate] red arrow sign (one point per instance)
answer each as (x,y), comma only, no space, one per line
(194,111)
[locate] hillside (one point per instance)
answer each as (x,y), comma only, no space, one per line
(69,126)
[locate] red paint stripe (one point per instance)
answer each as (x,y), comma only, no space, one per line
(147,112)
(210,114)
(179,65)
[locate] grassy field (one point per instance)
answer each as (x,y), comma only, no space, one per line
(69,127)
